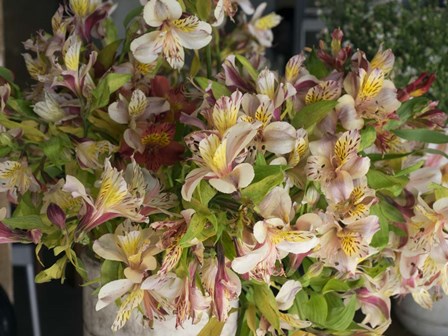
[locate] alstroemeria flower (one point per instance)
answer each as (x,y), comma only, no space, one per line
(17,177)
(114,199)
(217,160)
(155,200)
(222,284)
(277,137)
(274,237)
(88,16)
(336,164)
(337,55)
(135,247)
(225,112)
(74,75)
(426,228)
(416,88)
(49,109)
(278,93)
(135,113)
(160,149)
(171,232)
(8,235)
(91,154)
(260,27)
(356,206)
(345,246)
(369,96)
(191,303)
(173,35)
(229,8)
(285,299)
(375,306)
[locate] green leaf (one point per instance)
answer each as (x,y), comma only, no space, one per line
(315,66)
(29,131)
(218,89)
(317,309)
(410,169)
(106,86)
(387,215)
(248,67)
(21,106)
(380,181)
(313,113)
(368,137)
(106,56)
(6,74)
(266,304)
(25,222)
(198,228)
(55,148)
(422,135)
(110,270)
(203,9)
(54,272)
(261,187)
(202,195)
(212,328)
(335,285)
(439,191)
(406,111)
(339,318)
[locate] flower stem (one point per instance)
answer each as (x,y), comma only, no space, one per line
(208,55)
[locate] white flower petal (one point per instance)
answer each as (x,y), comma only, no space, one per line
(157,11)
(286,295)
(112,291)
(146,48)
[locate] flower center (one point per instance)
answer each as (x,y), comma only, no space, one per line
(161,139)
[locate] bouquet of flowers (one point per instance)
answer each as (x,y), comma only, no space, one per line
(208,185)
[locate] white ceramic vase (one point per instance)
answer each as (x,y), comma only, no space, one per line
(422,322)
(98,323)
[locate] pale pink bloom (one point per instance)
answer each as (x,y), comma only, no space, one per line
(260,27)
(268,85)
(344,247)
(74,75)
(17,177)
(356,206)
(91,154)
(191,303)
(135,247)
(222,284)
(369,96)
(274,236)
(426,228)
(294,68)
(277,137)
(217,158)
(375,306)
(172,36)
(335,164)
(136,113)
(229,8)
(115,199)
(225,112)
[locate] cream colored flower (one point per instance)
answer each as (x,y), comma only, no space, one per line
(173,35)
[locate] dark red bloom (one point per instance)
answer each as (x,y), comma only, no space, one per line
(160,147)
(160,87)
(416,88)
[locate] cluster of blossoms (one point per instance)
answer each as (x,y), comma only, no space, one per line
(292,201)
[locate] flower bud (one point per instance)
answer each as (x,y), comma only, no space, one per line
(56,215)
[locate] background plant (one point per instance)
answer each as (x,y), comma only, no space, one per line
(416,30)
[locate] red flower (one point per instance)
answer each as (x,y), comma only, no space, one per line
(160,87)
(160,148)
(416,88)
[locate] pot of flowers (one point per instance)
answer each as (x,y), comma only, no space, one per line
(212,195)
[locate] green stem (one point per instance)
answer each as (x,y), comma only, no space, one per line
(208,54)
